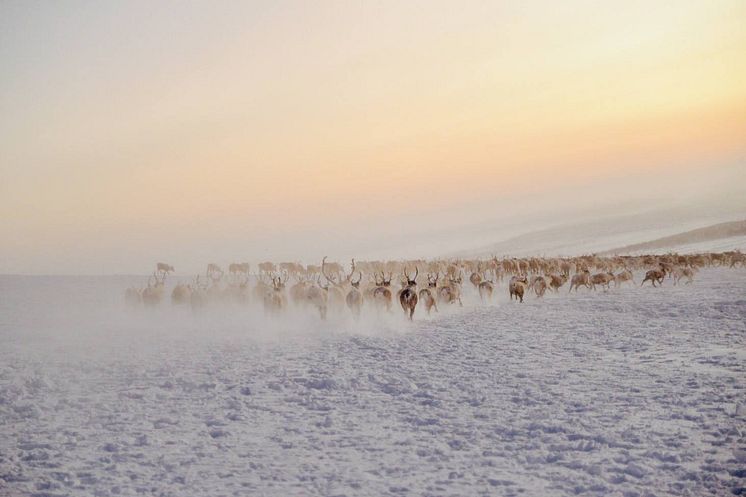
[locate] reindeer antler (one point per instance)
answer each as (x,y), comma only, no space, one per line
(330,279)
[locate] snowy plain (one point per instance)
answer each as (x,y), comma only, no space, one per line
(631,392)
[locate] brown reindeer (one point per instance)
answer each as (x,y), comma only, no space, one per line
(426,295)
(655,275)
(451,292)
(163,268)
(408,296)
(486,288)
(583,277)
(354,299)
(239,268)
(556,281)
(476,277)
(517,287)
(603,279)
(382,293)
(153,294)
(622,277)
(540,286)
(212,270)
(267,267)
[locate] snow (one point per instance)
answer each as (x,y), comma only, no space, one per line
(631,392)
(717,245)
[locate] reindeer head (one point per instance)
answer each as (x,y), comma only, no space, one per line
(278,283)
(411,281)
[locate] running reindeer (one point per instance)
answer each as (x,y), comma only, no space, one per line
(408,295)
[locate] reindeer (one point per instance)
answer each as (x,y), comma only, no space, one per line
(581,278)
(274,301)
(517,287)
(736,258)
(603,279)
(312,270)
(451,292)
(267,267)
(556,281)
(163,268)
(298,291)
(181,294)
(214,291)
(213,269)
(486,288)
(408,296)
(316,295)
(153,294)
(239,268)
(476,277)
(354,299)
(622,277)
(335,296)
(655,275)
(426,295)
(685,272)
(333,268)
(540,286)
(382,293)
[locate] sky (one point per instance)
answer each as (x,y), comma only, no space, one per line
(194,132)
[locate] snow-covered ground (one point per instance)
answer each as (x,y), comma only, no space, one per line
(633,392)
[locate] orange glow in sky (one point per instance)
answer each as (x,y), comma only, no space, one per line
(242,129)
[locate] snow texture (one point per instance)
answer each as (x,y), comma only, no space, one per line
(631,392)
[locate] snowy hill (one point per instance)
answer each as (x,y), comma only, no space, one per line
(660,230)
(724,234)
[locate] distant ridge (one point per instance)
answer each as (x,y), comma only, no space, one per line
(708,233)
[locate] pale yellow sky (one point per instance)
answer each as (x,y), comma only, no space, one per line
(138,131)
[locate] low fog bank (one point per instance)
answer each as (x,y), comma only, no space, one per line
(77,317)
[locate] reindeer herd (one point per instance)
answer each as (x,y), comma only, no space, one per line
(329,287)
